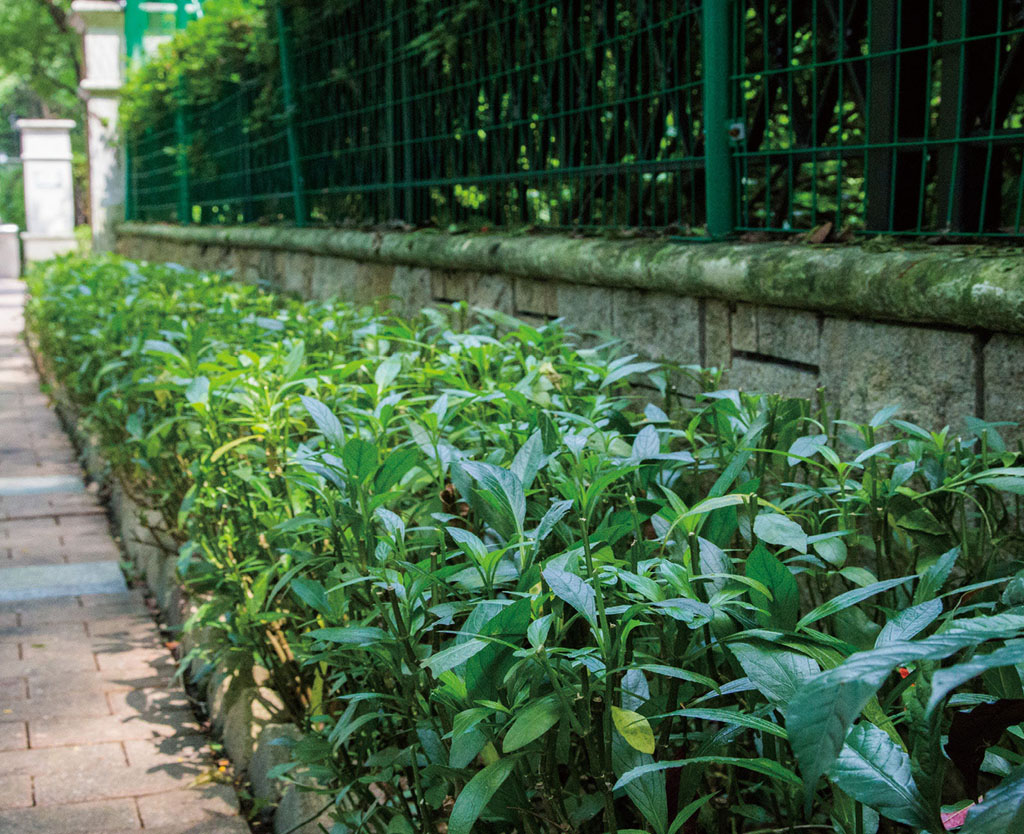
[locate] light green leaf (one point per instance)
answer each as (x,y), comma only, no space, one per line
(849,598)
(635,729)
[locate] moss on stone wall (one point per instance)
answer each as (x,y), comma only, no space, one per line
(967,287)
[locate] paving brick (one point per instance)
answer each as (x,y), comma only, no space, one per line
(43,633)
(83,818)
(211,825)
(208,805)
(63,732)
(15,791)
(12,736)
(65,762)
(64,704)
(156,702)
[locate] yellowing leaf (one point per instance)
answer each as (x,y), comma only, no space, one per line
(635,729)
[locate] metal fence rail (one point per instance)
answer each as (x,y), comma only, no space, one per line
(680,116)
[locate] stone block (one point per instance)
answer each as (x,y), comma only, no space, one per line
(456,285)
(491,292)
(587,310)
(771,377)
(296,273)
(412,287)
(298,805)
(1003,382)
(227,683)
(269,753)
(930,373)
(372,283)
(788,334)
(658,325)
(253,710)
(332,278)
(744,328)
(536,297)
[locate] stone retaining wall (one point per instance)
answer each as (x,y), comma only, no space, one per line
(938,330)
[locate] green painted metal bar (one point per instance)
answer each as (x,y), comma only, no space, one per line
(134,32)
(284,44)
(721,213)
(181,129)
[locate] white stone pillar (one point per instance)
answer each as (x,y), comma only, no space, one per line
(10,251)
(102,25)
(49,190)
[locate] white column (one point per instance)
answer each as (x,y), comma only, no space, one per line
(10,251)
(49,192)
(102,25)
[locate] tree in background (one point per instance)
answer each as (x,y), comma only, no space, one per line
(40,68)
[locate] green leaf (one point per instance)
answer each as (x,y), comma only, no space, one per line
(528,460)
(946,680)
(312,593)
(349,635)
(805,447)
(874,770)
(775,528)
(849,598)
(1002,810)
(628,370)
(395,467)
(473,798)
(231,444)
(634,728)
(776,672)
(386,372)
(503,493)
(935,576)
(909,622)
(532,723)
(821,713)
(783,609)
(329,425)
(570,588)
(360,458)
(453,656)
(766,767)
(736,719)
(646,444)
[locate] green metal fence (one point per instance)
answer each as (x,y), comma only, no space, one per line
(684,117)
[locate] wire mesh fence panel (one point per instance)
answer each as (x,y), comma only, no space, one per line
(557,114)
(874,116)
(890,116)
(153,177)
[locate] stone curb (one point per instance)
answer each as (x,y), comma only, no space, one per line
(963,286)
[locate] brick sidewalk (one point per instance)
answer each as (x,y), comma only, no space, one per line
(94,736)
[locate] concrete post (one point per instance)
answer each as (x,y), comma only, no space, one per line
(49,192)
(10,251)
(102,25)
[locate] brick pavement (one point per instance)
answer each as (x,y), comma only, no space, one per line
(95,738)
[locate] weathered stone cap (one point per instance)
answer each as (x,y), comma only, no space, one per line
(964,286)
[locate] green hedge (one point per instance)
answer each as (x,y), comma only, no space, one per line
(501,593)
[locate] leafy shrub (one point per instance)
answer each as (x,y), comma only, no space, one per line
(499,593)
(200,64)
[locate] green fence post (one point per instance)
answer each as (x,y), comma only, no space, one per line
(719,193)
(181,134)
(134,31)
(284,43)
